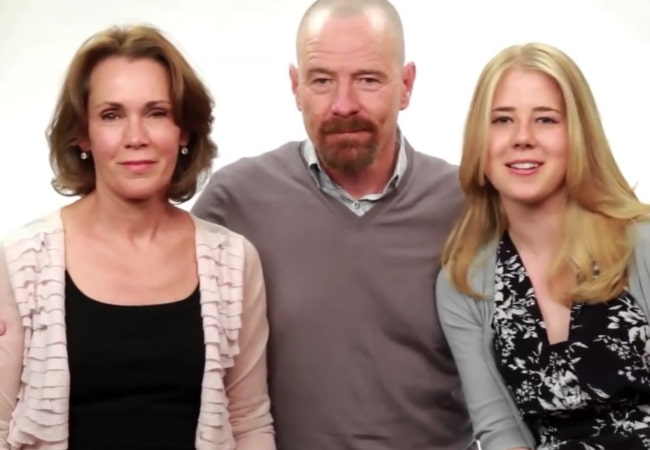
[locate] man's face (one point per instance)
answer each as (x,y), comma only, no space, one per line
(350,87)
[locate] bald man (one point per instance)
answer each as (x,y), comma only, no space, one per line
(350,224)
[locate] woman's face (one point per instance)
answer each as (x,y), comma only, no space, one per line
(132,136)
(528,140)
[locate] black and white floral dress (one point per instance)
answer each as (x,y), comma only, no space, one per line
(591,392)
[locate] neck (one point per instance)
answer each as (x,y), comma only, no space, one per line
(538,229)
(372,179)
(138,222)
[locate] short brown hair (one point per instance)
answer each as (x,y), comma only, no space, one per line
(192,108)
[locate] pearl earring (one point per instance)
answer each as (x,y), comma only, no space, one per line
(84,155)
(184,151)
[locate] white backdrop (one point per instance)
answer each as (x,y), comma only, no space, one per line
(243,48)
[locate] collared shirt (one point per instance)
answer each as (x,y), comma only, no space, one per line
(326,184)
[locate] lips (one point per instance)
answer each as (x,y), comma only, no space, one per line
(524,165)
(137,163)
(139,167)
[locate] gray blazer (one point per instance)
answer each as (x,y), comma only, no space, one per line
(466,323)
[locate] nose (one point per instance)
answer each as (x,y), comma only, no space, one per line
(523,136)
(136,135)
(345,101)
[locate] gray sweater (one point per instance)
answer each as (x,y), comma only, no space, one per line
(467,324)
(357,358)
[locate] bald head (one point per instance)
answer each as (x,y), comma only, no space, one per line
(380,13)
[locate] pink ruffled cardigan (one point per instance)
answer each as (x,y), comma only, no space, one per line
(34,376)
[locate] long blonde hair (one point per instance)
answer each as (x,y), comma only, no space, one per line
(601,206)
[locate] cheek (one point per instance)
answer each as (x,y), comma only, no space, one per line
(490,166)
(556,147)
(494,155)
(314,114)
(103,142)
(496,148)
(382,108)
(164,136)
(562,150)
(312,103)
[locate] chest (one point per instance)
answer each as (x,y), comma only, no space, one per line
(133,359)
(37,269)
(602,357)
(365,279)
(126,276)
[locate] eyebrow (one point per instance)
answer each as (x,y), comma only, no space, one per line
(536,109)
(357,73)
(149,104)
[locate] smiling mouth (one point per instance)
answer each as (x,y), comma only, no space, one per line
(524,165)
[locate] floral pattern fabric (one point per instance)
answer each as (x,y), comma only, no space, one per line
(591,392)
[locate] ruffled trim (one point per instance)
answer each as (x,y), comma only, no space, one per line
(36,268)
(36,262)
(221,270)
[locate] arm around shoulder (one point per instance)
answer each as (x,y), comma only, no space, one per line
(495,425)
(11,351)
(246,381)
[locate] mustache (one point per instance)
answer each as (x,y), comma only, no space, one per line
(347,125)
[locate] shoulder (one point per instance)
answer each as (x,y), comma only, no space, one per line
(434,172)
(481,277)
(441,166)
(213,235)
(642,232)
(436,167)
(433,185)
(640,235)
(38,229)
(251,168)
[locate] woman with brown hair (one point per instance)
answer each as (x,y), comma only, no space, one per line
(131,323)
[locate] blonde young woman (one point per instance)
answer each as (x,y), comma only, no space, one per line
(545,292)
(131,324)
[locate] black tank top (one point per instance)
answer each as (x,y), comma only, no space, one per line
(136,373)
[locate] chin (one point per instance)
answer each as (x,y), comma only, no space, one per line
(531,201)
(142,194)
(134,198)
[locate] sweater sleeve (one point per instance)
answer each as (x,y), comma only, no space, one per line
(11,351)
(246,381)
(494,424)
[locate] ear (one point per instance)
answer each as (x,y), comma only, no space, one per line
(83,143)
(185,139)
(294,76)
(408,79)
